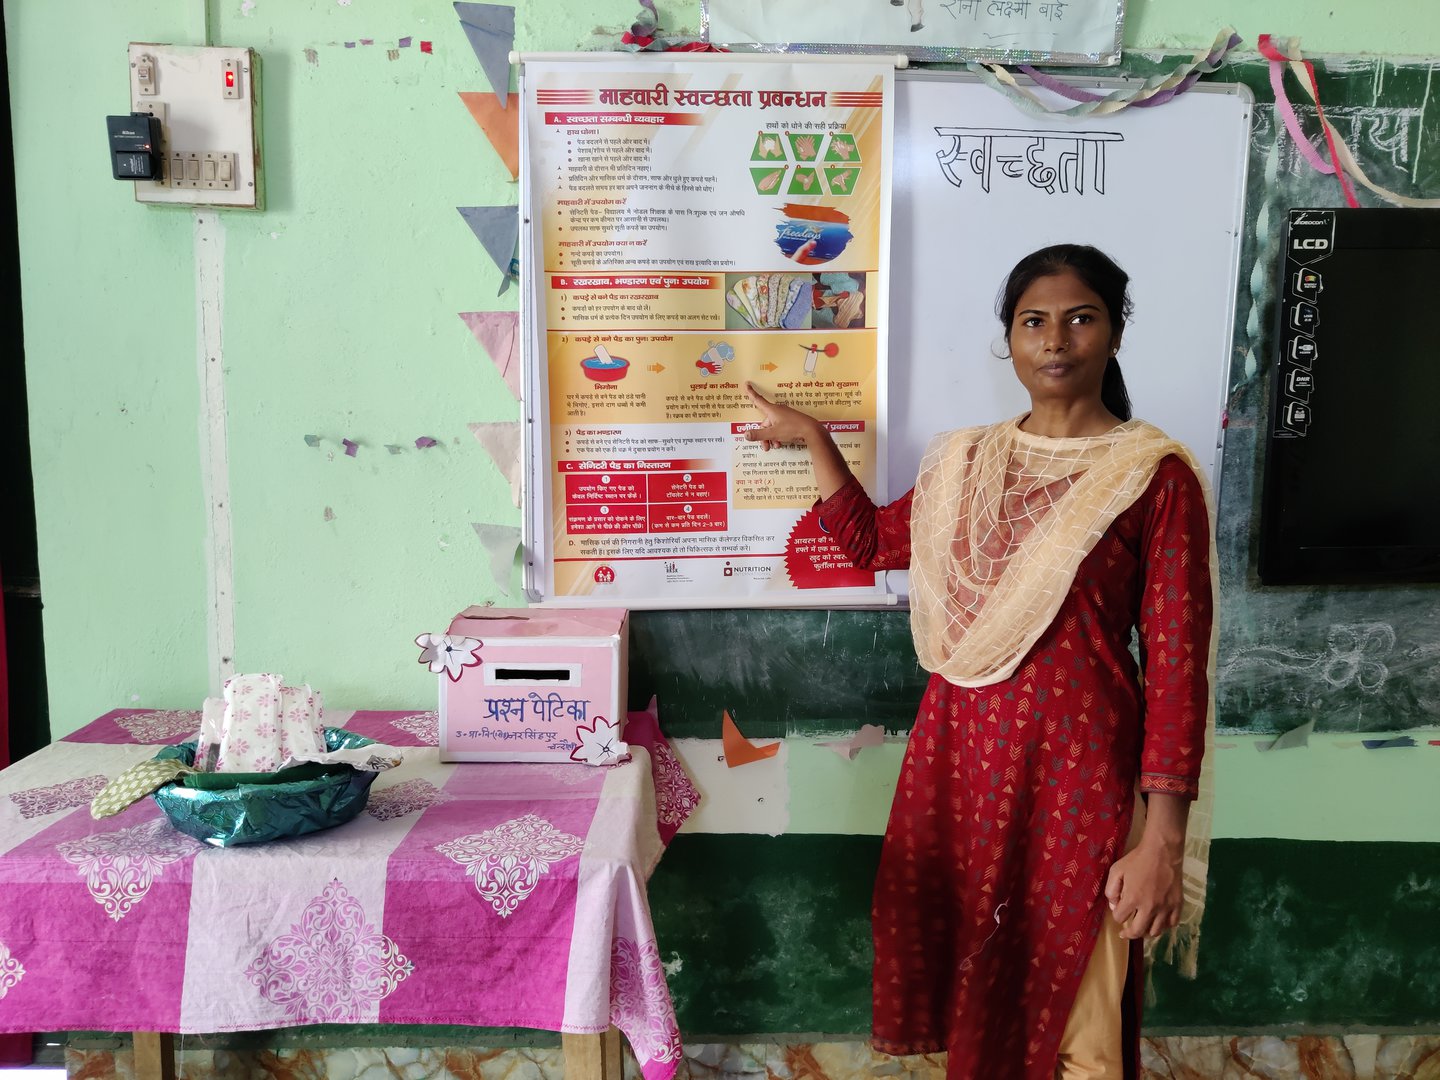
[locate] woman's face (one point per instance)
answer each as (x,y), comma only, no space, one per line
(1061,338)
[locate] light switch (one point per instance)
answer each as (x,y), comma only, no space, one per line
(227,171)
(230,79)
(145,75)
(192,169)
(207,171)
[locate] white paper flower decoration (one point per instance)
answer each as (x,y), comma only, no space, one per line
(452,655)
(600,744)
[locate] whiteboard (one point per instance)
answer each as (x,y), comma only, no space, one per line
(1161,190)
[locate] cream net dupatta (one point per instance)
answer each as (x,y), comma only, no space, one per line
(1000,522)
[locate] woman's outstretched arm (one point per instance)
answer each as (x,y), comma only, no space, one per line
(875,537)
(780,424)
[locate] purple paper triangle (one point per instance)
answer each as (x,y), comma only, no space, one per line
(491,30)
(496,332)
(498,230)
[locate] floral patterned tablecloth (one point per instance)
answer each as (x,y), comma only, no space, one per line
(498,895)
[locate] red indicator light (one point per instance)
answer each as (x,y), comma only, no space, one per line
(229,80)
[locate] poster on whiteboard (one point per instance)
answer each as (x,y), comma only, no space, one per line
(1086,32)
(694,225)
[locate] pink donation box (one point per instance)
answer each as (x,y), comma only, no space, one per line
(549,685)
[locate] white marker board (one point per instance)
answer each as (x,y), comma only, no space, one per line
(1161,190)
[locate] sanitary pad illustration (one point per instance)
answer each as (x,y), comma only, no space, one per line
(812,234)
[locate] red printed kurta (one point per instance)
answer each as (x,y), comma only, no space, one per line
(1015,798)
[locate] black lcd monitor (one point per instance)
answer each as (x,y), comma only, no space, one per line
(1352,448)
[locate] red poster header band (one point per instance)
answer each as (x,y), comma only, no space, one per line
(661,96)
(632,465)
(577,119)
(634,281)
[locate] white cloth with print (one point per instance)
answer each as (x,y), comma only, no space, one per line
(263,725)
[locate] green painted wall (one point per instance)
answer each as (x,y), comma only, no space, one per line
(339,320)
(109,293)
(340,305)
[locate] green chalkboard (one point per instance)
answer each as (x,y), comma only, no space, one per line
(778,671)
(1354,658)
(1296,933)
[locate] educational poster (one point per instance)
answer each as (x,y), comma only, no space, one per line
(694,225)
(1011,31)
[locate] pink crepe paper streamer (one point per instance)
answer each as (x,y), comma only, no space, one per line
(351,448)
(1287,110)
(1277,58)
(425,47)
(424,442)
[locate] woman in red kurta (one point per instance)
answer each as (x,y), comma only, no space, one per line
(1009,853)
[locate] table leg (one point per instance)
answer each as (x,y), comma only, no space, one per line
(592,1057)
(154,1055)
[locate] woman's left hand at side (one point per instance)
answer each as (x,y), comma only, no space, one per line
(1146,889)
(1146,886)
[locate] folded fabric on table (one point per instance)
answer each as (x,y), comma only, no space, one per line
(135,783)
(263,724)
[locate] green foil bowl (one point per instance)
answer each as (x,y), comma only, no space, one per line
(292,802)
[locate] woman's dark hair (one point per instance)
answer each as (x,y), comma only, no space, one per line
(1102,276)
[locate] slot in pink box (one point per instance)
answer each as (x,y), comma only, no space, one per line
(542,675)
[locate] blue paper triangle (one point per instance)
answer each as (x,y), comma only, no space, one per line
(498,230)
(491,30)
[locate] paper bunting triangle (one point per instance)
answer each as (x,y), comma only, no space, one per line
(740,750)
(1293,739)
(496,333)
(868,735)
(1388,744)
(491,30)
(498,230)
(502,442)
(500,543)
(500,123)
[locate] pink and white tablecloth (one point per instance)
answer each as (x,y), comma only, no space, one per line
(495,895)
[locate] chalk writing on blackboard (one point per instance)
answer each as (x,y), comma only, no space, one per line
(1388,130)
(1043,158)
(1355,655)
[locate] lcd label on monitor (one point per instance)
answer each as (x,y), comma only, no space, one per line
(1312,235)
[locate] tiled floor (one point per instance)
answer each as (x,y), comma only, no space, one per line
(1311,1057)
